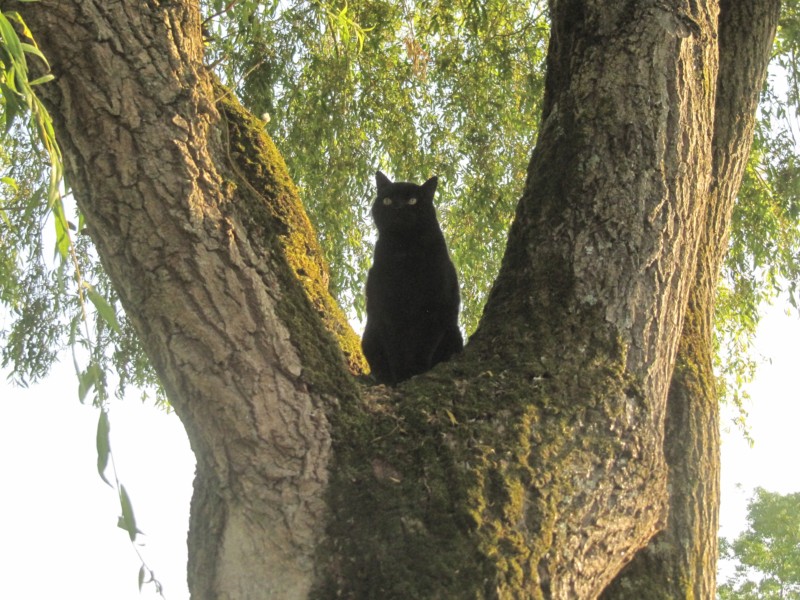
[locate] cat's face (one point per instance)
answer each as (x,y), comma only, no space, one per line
(403,205)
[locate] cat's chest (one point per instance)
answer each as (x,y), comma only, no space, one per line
(412,274)
(411,257)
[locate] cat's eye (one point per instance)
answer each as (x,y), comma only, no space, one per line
(412,200)
(387,201)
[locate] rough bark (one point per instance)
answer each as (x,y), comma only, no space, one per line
(201,264)
(604,238)
(530,466)
(681,561)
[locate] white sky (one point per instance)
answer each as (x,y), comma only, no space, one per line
(58,519)
(774,421)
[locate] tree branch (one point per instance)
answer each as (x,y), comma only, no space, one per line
(681,561)
(207,272)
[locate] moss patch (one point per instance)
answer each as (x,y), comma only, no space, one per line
(269,205)
(440,487)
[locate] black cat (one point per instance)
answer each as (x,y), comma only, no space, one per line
(412,287)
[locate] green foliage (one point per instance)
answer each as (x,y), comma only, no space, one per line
(763,263)
(766,556)
(19,98)
(48,304)
(451,88)
(47,300)
(26,285)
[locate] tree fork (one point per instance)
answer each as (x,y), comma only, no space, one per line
(586,312)
(531,465)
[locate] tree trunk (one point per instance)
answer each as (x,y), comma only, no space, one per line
(208,268)
(681,561)
(533,464)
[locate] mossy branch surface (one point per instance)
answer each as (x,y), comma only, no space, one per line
(271,209)
(458,483)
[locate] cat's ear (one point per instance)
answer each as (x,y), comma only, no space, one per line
(382,181)
(429,187)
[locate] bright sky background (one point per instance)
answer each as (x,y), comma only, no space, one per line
(58,519)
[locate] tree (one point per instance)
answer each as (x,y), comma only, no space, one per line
(537,463)
(767,553)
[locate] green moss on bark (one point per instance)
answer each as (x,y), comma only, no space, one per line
(440,488)
(268,204)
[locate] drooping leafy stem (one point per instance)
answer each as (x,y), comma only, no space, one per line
(127,519)
(342,26)
(19,97)
(20,102)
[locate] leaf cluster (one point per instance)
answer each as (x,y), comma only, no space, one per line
(19,100)
(763,262)
(766,556)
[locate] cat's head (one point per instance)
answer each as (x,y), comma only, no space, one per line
(402,205)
